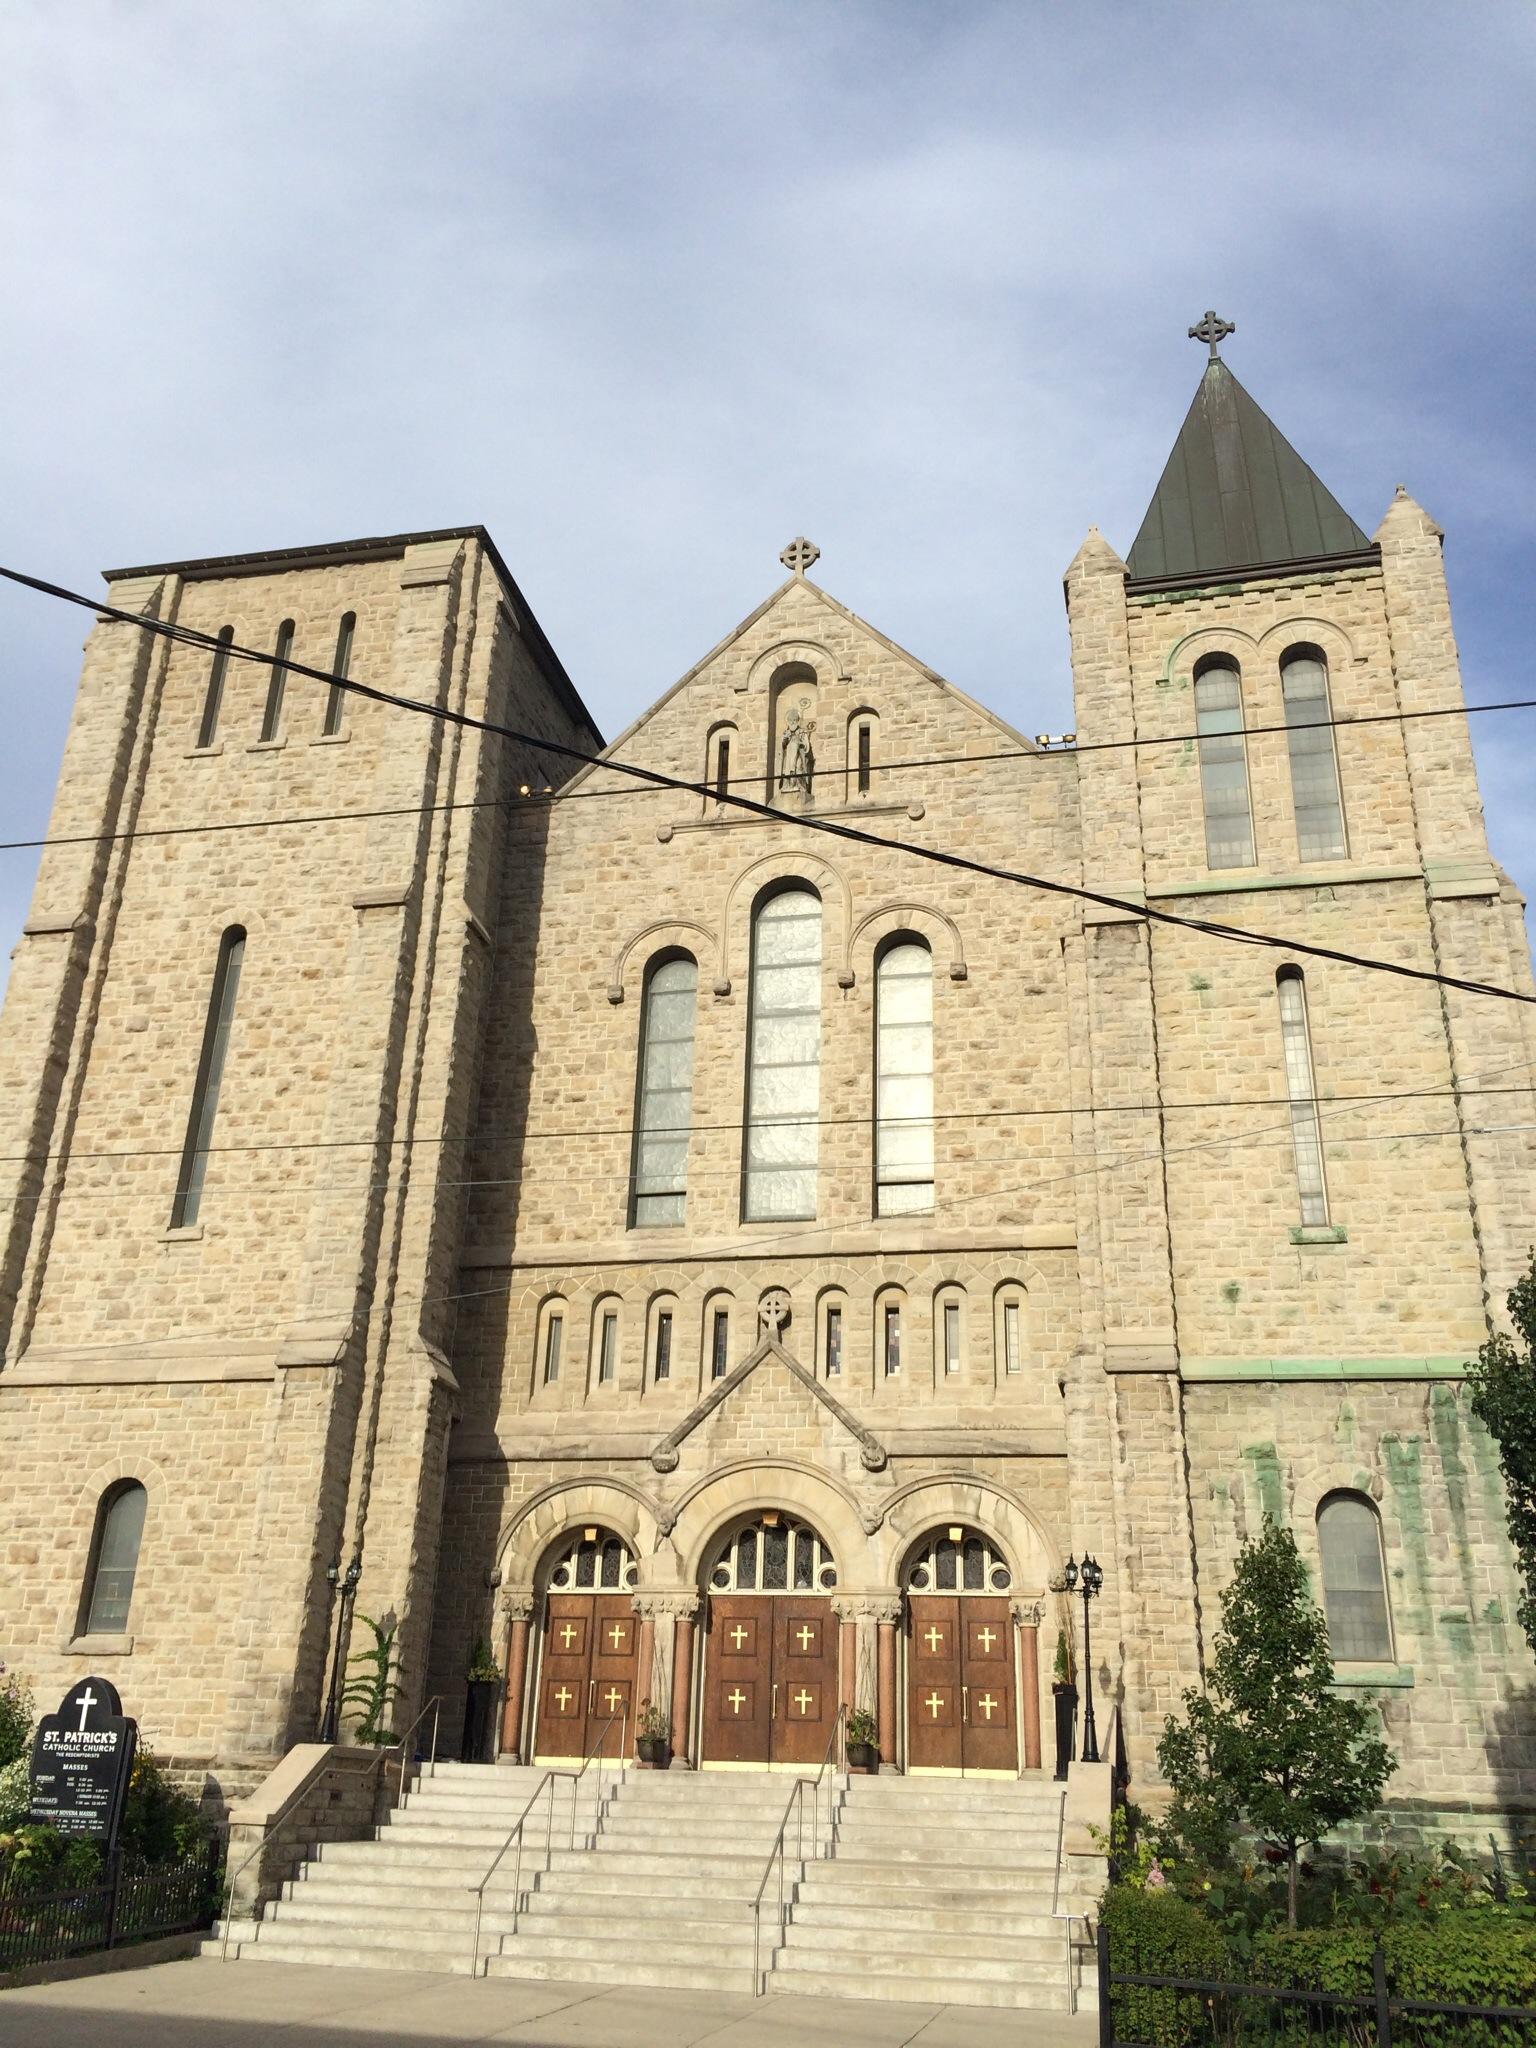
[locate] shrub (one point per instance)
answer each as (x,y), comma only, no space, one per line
(16,1706)
(1156,1933)
(15,1792)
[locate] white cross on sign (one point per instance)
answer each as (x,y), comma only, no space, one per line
(568,1635)
(933,1703)
(616,1634)
(803,1700)
(736,1700)
(986,1704)
(806,1637)
(934,1638)
(738,1635)
(986,1638)
(563,1696)
(87,1701)
(612,1698)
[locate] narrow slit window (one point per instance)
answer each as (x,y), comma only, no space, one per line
(904,1080)
(663,1365)
(1301,1086)
(1012,1358)
(340,666)
(720,1343)
(554,1339)
(834,1341)
(784,1060)
(951,1336)
(1224,768)
(722,767)
(892,1338)
(660,1183)
(272,715)
(114,1559)
(210,1079)
(865,744)
(1354,1581)
(213,697)
(608,1349)
(1314,761)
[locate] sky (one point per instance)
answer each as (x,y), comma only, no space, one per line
(650,290)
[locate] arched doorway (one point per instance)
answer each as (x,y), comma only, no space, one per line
(589,1658)
(770,1650)
(962,1688)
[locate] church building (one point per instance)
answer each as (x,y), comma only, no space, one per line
(716,1254)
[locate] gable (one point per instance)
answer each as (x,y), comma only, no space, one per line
(770,1406)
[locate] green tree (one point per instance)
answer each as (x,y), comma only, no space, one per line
(1503,1383)
(1269,1745)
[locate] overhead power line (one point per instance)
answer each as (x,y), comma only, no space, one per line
(828,827)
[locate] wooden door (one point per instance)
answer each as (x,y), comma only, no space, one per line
(587,1673)
(803,1700)
(933,1683)
(738,1689)
(988,1732)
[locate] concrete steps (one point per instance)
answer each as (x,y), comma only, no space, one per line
(939,1891)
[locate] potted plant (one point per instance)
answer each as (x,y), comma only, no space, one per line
(482,1682)
(863,1754)
(1066,1702)
(653,1734)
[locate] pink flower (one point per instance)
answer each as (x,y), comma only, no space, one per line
(1155,1878)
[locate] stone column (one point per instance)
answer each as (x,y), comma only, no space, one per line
(847,1612)
(682,1683)
(518,1608)
(1027,1614)
(887,1615)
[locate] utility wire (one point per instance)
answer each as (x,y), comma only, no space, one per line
(962,863)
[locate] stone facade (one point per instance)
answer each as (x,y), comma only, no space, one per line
(424,1151)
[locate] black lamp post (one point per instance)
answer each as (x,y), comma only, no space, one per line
(1089,1575)
(349,1581)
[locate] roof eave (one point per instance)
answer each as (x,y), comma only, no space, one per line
(1309,566)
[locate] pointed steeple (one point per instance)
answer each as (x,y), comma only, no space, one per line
(1235,497)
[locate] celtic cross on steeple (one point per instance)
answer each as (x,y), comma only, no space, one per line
(1213,329)
(799,555)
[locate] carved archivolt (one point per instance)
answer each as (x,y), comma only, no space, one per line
(705,939)
(933,925)
(830,881)
(566,1506)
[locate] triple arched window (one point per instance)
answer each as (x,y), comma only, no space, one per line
(1354,1580)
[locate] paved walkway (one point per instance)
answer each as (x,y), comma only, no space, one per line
(208,2004)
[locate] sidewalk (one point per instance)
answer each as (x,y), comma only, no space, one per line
(208,2004)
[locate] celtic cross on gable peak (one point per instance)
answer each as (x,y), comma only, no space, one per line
(1213,330)
(800,554)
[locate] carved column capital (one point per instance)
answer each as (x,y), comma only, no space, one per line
(671,1606)
(1028,1613)
(866,1607)
(517,1602)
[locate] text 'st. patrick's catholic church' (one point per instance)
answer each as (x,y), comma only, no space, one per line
(734,1264)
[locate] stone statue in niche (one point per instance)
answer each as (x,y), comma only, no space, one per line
(797,757)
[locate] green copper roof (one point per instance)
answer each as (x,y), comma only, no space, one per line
(1235,495)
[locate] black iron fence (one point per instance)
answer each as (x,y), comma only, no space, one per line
(126,1901)
(1139,2010)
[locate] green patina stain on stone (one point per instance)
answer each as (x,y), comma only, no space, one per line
(1344,1430)
(1493,1615)
(1445,1427)
(1402,1455)
(1263,1462)
(1231,1293)
(1199,984)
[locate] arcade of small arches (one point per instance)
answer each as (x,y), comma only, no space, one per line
(762,1609)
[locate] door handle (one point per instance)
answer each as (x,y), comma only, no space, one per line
(965,1703)
(773,1704)
(591,1689)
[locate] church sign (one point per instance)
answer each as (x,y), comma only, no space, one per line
(81,1760)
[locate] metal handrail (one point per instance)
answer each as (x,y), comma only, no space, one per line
(434,1707)
(795,1802)
(518,1826)
(295,1797)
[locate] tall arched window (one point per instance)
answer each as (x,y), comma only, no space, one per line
(664,1099)
(210,1078)
(904,1079)
(1223,766)
(213,697)
(1314,764)
(1354,1580)
(1301,1086)
(272,716)
(114,1559)
(340,666)
(784,1059)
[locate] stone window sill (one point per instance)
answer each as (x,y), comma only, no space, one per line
(97,1646)
(331,739)
(1375,1676)
(265,746)
(205,753)
(1319,1233)
(187,1233)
